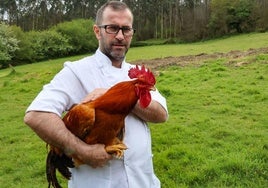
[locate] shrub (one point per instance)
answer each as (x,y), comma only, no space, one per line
(80,35)
(54,44)
(42,45)
(8,45)
(24,53)
(68,38)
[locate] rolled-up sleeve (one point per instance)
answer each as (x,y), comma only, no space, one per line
(159,98)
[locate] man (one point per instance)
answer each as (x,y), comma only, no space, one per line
(86,80)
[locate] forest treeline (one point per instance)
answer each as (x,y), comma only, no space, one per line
(33,30)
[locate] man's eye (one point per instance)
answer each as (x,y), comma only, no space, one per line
(126,28)
(113,28)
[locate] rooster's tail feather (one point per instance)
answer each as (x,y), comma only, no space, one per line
(60,163)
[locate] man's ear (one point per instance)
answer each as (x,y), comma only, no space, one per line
(97,31)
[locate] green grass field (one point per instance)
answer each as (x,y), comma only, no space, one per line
(216,135)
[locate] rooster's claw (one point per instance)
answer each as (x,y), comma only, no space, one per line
(116,150)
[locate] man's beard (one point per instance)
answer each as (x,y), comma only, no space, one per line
(113,53)
(118,55)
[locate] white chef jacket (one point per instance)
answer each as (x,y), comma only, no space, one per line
(69,87)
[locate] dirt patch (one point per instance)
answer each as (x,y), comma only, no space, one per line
(157,63)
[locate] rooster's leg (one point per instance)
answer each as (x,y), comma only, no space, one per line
(117,150)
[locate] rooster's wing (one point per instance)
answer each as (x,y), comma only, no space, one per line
(80,120)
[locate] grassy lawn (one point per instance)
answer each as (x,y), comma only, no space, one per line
(216,135)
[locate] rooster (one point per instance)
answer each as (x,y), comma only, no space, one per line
(102,121)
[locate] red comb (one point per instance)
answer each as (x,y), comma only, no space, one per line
(142,73)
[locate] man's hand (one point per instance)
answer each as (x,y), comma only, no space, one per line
(94,155)
(94,95)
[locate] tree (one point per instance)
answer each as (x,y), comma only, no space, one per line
(8,8)
(261,13)
(231,16)
(238,15)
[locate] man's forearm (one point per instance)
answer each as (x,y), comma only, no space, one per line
(51,129)
(154,113)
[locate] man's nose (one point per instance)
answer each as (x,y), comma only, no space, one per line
(120,35)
